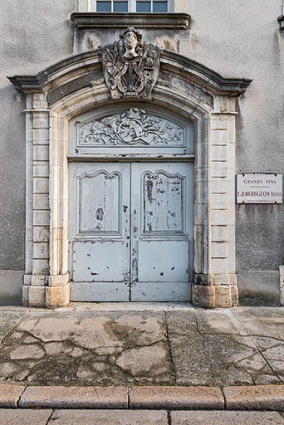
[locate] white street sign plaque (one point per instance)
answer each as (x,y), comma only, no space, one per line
(259,188)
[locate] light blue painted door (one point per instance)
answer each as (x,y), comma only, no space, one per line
(130,231)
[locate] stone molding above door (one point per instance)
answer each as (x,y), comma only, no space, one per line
(184,87)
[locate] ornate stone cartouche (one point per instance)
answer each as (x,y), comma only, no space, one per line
(130,66)
(132,127)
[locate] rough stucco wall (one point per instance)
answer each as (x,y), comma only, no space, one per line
(34,34)
(242,39)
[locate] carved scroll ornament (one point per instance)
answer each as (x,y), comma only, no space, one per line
(130,66)
(132,127)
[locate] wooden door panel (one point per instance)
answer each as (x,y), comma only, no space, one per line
(103,260)
(161,231)
(99,231)
(99,203)
(163,261)
(163,202)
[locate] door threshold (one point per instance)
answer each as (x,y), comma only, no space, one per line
(128,306)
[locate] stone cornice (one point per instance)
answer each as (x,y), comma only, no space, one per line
(175,21)
(80,68)
(226,86)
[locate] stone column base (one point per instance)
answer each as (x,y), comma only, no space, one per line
(57,294)
(215,291)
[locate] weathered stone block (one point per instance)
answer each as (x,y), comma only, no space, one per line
(36,296)
(219,265)
(219,153)
(25,296)
(41,217)
(41,170)
(203,296)
(219,137)
(41,153)
(219,249)
(41,185)
(38,280)
(41,234)
(219,169)
(223,296)
(219,185)
(41,250)
(57,296)
(219,217)
(219,233)
(40,266)
(40,201)
(234,296)
(41,120)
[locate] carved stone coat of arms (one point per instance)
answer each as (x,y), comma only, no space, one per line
(130,66)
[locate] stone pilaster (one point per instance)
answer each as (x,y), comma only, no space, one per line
(217,286)
(40,289)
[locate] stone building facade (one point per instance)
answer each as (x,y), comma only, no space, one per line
(122,138)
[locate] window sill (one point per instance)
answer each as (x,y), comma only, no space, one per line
(90,20)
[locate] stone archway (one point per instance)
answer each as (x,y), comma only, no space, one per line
(77,85)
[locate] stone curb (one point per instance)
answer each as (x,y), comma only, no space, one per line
(261,397)
(192,398)
(75,397)
(10,395)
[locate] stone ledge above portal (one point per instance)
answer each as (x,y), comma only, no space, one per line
(174,21)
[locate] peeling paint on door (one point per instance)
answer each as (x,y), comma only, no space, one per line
(132,231)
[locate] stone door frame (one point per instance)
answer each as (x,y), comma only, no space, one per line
(75,86)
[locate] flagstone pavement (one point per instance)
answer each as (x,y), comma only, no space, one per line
(141,344)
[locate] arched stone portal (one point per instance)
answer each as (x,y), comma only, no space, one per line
(178,85)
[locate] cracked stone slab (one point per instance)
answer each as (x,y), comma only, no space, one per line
(265,322)
(212,348)
(24,417)
(88,348)
(228,418)
(109,417)
(75,397)
(265,326)
(261,397)
(9,320)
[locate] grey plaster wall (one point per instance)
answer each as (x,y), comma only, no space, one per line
(243,39)
(33,34)
(235,38)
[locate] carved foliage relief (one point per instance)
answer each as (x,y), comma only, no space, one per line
(133,127)
(130,66)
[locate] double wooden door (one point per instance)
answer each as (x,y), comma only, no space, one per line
(130,231)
